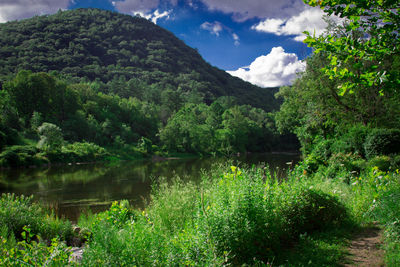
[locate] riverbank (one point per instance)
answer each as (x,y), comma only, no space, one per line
(72,189)
(238,216)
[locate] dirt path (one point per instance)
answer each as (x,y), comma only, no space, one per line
(365,249)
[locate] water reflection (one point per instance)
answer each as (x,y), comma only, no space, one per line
(71,189)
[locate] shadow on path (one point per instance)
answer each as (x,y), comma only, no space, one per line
(365,248)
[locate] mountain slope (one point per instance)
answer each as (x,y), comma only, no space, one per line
(125,55)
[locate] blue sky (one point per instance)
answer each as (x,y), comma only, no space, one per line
(257,40)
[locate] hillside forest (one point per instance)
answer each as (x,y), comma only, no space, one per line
(71,83)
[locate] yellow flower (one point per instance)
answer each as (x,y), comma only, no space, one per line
(233,168)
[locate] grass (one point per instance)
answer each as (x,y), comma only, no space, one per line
(327,248)
(31,236)
(17,212)
(237,216)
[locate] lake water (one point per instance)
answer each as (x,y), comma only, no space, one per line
(72,189)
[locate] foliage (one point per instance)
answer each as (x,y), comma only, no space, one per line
(350,85)
(17,156)
(205,129)
(382,142)
(362,55)
(83,152)
(386,210)
(32,252)
(236,216)
(50,136)
(16,212)
(120,54)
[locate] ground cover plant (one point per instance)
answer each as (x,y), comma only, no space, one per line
(29,235)
(236,216)
(233,216)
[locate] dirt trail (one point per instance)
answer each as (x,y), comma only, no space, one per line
(365,249)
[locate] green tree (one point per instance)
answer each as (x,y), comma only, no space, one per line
(36,120)
(51,137)
(363,55)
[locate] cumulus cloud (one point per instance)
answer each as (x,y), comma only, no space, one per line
(20,9)
(243,10)
(310,20)
(154,16)
(213,27)
(144,8)
(278,68)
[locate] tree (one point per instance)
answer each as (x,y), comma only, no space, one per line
(364,54)
(50,136)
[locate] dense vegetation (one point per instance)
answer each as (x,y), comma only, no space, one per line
(123,55)
(343,109)
(234,216)
(74,82)
(46,119)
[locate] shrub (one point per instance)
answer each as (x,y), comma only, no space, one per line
(77,152)
(385,209)
(17,156)
(83,152)
(322,150)
(19,211)
(382,142)
(235,217)
(351,141)
(312,210)
(382,162)
(347,165)
(30,252)
(50,136)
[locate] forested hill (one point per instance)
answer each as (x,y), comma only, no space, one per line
(125,55)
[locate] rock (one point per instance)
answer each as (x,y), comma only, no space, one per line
(76,229)
(76,255)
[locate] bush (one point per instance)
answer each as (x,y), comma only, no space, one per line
(351,141)
(322,150)
(385,209)
(16,212)
(50,136)
(237,217)
(77,152)
(17,156)
(382,142)
(382,162)
(346,165)
(83,152)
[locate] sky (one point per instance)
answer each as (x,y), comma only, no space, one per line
(259,41)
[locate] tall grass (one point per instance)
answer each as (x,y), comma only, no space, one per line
(17,212)
(29,236)
(233,216)
(236,216)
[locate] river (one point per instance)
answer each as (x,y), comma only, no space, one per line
(72,189)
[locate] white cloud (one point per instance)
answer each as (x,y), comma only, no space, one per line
(21,9)
(217,27)
(310,20)
(213,27)
(153,16)
(236,38)
(243,10)
(278,68)
(145,8)
(157,15)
